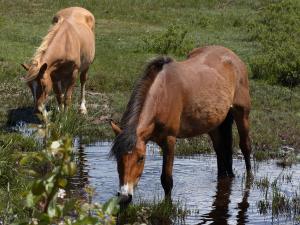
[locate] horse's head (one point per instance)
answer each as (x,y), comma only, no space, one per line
(130,154)
(39,84)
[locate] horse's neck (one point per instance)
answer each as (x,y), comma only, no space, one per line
(146,123)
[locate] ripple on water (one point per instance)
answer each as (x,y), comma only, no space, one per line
(232,201)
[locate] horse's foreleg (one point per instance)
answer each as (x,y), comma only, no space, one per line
(70,84)
(241,117)
(167,146)
(83,78)
(57,88)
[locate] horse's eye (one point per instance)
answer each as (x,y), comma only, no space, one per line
(141,159)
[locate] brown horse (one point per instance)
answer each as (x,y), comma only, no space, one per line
(67,49)
(202,94)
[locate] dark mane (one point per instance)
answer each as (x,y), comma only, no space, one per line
(126,140)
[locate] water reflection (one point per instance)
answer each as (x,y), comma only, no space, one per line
(79,182)
(242,216)
(220,211)
(219,215)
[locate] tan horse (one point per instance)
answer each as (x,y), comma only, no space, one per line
(67,49)
(202,94)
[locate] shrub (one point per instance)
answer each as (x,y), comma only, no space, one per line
(173,40)
(277,31)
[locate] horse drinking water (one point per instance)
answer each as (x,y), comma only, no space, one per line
(202,94)
(67,49)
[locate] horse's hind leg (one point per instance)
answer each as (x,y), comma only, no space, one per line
(241,117)
(166,178)
(83,78)
(222,142)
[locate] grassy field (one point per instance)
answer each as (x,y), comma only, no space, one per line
(128,34)
(125,31)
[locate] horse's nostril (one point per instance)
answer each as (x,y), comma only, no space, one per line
(129,198)
(118,193)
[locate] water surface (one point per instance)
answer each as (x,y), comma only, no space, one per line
(229,201)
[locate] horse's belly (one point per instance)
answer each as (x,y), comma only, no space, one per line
(197,120)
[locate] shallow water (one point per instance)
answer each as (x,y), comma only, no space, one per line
(229,201)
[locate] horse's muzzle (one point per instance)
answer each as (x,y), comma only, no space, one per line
(124,199)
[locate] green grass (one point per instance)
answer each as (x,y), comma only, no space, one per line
(125,31)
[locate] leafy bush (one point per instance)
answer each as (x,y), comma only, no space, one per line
(46,200)
(44,182)
(173,40)
(277,31)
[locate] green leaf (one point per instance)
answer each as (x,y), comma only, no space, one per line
(52,210)
(38,187)
(69,169)
(72,169)
(62,182)
(112,206)
(30,200)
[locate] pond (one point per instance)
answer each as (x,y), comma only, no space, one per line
(242,200)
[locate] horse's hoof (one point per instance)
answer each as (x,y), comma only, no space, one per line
(83,111)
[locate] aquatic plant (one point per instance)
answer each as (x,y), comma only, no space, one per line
(277,202)
(154,212)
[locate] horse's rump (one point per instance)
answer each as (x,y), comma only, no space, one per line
(80,15)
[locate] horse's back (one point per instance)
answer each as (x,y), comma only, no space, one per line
(78,27)
(228,65)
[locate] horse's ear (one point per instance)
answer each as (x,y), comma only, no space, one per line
(116,129)
(43,69)
(25,66)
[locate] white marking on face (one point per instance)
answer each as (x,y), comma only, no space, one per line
(127,189)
